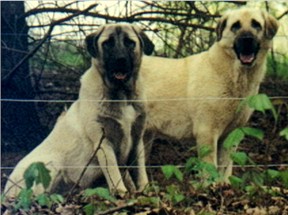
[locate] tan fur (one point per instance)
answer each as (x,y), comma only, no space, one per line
(199,80)
(76,136)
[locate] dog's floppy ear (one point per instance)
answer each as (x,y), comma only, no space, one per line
(221,25)
(271,25)
(147,44)
(91,42)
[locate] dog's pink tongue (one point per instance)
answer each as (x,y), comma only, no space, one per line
(120,76)
(247,58)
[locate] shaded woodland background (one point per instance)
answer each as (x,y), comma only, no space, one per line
(43,55)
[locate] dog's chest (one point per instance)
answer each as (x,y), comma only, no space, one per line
(117,122)
(128,118)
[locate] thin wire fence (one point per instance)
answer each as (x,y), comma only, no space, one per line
(137,100)
(284,165)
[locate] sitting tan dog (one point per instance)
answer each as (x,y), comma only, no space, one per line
(195,96)
(116,52)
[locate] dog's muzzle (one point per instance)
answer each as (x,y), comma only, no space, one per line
(121,69)
(246,47)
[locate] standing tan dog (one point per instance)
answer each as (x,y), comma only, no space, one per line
(116,52)
(208,82)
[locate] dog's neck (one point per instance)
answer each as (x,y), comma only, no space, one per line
(247,79)
(121,92)
(227,57)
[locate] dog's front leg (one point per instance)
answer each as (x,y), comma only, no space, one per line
(137,156)
(142,178)
(138,173)
(108,163)
(207,140)
(225,162)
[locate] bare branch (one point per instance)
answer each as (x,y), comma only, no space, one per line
(282,15)
(8,76)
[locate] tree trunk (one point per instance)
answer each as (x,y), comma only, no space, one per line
(20,125)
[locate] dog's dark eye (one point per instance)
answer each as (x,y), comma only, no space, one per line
(236,26)
(256,25)
(109,43)
(129,43)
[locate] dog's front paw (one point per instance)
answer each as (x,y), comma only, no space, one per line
(142,186)
(120,193)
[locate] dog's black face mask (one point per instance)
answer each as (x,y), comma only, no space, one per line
(119,59)
(246,48)
(118,55)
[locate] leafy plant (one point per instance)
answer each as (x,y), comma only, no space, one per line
(206,173)
(24,199)
(171,170)
(174,194)
(284,133)
(259,102)
(101,192)
(37,173)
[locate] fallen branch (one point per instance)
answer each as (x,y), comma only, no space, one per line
(112,210)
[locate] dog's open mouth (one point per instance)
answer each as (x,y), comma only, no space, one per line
(247,59)
(120,76)
(246,48)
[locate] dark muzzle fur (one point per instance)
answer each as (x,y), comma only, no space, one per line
(246,47)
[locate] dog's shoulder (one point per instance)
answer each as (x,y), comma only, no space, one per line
(91,84)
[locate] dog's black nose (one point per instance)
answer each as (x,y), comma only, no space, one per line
(121,61)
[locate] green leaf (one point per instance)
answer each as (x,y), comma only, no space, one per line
(236,182)
(178,198)
(284,177)
(178,174)
(211,170)
(261,102)
(205,151)
(273,174)
(56,198)
(253,132)
(191,163)
(234,139)
(284,133)
(251,189)
(24,199)
(257,178)
(43,200)
(240,158)
(101,192)
(89,209)
(170,170)
(37,173)
(149,201)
